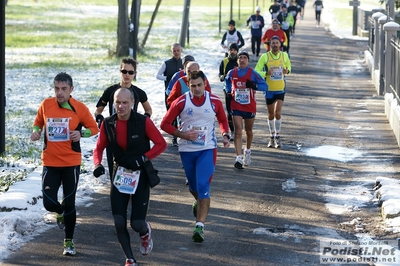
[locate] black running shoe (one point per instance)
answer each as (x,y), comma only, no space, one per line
(238,165)
(175,142)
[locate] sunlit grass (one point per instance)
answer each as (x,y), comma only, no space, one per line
(344,16)
(49,24)
(47,36)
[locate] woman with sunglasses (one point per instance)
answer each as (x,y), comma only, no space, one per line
(128,71)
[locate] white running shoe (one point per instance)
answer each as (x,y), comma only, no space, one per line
(232,136)
(69,247)
(271,142)
(277,142)
(239,162)
(146,242)
(130,262)
(247,159)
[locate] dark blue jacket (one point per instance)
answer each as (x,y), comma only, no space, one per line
(256,30)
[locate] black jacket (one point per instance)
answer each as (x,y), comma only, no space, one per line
(171,67)
(138,142)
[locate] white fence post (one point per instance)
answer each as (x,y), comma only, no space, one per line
(390,29)
(377,33)
(382,20)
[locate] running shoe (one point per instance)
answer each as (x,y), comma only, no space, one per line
(247,159)
(239,162)
(232,136)
(146,242)
(198,234)
(130,262)
(277,142)
(194,208)
(69,247)
(60,220)
(271,142)
(175,141)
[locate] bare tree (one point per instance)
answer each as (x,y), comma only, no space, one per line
(122,29)
(396,4)
(135,18)
(153,17)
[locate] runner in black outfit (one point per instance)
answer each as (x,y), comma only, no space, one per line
(128,134)
(170,67)
(295,9)
(318,8)
(228,63)
(128,71)
(274,9)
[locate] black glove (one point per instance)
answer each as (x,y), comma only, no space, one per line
(222,78)
(250,84)
(99,119)
(99,170)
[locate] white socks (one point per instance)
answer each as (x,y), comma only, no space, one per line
(199,224)
(278,126)
(274,126)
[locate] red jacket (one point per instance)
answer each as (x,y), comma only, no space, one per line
(271,33)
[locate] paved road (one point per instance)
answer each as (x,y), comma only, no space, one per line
(330,101)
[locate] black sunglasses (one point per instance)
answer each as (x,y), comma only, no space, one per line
(131,72)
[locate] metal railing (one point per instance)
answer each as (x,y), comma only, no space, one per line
(384,45)
(394,82)
(383,60)
(371,35)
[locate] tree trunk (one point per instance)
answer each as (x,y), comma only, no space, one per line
(153,17)
(135,18)
(123,29)
(185,23)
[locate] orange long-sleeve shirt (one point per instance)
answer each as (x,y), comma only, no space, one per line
(63,153)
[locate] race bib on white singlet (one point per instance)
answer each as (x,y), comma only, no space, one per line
(202,135)
(126,181)
(242,96)
(57,129)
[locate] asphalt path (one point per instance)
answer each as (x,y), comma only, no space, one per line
(330,100)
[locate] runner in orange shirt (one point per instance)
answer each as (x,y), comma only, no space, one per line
(62,119)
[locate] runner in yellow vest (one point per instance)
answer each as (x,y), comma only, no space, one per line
(274,66)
